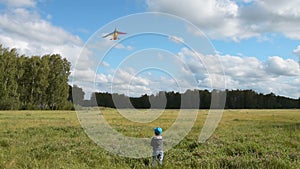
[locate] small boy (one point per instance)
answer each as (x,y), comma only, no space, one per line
(157,145)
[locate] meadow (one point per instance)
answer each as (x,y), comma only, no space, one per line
(243,139)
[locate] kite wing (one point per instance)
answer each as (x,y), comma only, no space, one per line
(107,35)
(121,32)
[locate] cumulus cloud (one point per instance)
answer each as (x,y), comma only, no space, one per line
(229,19)
(273,16)
(278,66)
(23,28)
(128,81)
(122,81)
(87,75)
(275,75)
(218,16)
(27,26)
(19,3)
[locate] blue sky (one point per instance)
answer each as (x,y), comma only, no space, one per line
(85,17)
(256,43)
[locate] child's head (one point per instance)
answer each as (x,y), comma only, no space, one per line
(157,131)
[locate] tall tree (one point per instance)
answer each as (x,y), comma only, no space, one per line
(30,79)
(41,82)
(9,98)
(57,91)
(21,64)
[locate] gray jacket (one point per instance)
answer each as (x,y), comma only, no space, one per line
(157,144)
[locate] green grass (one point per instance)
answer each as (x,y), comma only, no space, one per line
(243,139)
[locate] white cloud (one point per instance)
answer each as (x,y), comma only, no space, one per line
(121,46)
(128,77)
(218,16)
(273,16)
(105,64)
(87,75)
(297,51)
(127,81)
(85,60)
(278,66)
(19,3)
(227,19)
(23,29)
(176,39)
(123,81)
(275,75)
(27,26)
(237,67)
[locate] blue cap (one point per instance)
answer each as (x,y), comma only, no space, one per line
(157,130)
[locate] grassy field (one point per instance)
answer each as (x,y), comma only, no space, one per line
(243,139)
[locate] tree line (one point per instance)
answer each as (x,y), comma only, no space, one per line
(41,82)
(235,99)
(36,82)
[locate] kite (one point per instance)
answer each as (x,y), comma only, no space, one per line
(114,34)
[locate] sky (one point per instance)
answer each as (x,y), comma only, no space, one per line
(170,45)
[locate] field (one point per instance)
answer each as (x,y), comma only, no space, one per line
(243,139)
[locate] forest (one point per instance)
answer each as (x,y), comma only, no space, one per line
(41,82)
(36,82)
(235,99)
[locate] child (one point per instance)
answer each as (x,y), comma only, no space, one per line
(157,145)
